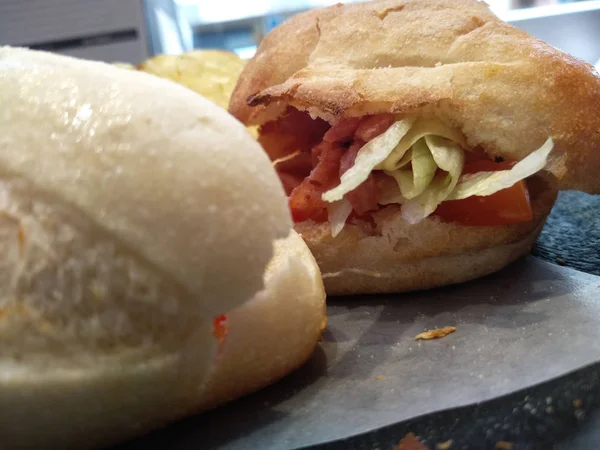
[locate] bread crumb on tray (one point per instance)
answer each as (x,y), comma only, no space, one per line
(438,333)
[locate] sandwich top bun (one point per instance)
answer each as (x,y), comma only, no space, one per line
(132,212)
(454,60)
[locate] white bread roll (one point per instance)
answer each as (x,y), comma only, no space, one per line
(132,212)
(114,399)
(164,172)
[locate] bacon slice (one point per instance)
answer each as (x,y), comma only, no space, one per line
(305,200)
(343,130)
(373,126)
(329,159)
(295,130)
(301,163)
(290,181)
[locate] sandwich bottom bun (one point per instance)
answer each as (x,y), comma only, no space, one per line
(122,394)
(399,257)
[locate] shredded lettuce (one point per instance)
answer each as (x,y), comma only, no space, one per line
(367,158)
(426,159)
(488,183)
(422,127)
(450,158)
(337,214)
(414,181)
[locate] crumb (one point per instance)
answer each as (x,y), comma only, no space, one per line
(435,334)
(410,442)
(577,403)
(379,377)
(444,445)
(561,262)
(503,445)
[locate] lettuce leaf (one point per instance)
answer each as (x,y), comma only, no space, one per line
(422,127)
(450,158)
(337,214)
(488,183)
(368,157)
(426,159)
(414,181)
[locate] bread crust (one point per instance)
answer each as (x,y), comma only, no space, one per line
(454,59)
(132,212)
(403,257)
(276,331)
(120,397)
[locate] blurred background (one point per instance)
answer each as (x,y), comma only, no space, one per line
(134,30)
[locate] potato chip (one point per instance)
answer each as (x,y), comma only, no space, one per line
(211,73)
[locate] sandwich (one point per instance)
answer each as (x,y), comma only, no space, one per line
(421,143)
(149,266)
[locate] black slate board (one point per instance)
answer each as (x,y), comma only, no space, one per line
(571,236)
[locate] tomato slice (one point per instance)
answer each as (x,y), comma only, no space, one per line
(505,207)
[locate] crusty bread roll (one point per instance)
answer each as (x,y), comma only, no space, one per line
(454,61)
(58,403)
(276,331)
(400,257)
(133,212)
(504,89)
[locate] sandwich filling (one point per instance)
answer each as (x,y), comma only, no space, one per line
(359,165)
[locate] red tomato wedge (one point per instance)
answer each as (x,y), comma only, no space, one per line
(505,207)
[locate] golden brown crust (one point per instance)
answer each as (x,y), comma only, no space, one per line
(405,257)
(506,90)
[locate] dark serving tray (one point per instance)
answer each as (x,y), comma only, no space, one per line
(526,350)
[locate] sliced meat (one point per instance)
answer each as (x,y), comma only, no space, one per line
(300,164)
(290,181)
(373,126)
(328,158)
(343,130)
(293,131)
(305,200)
